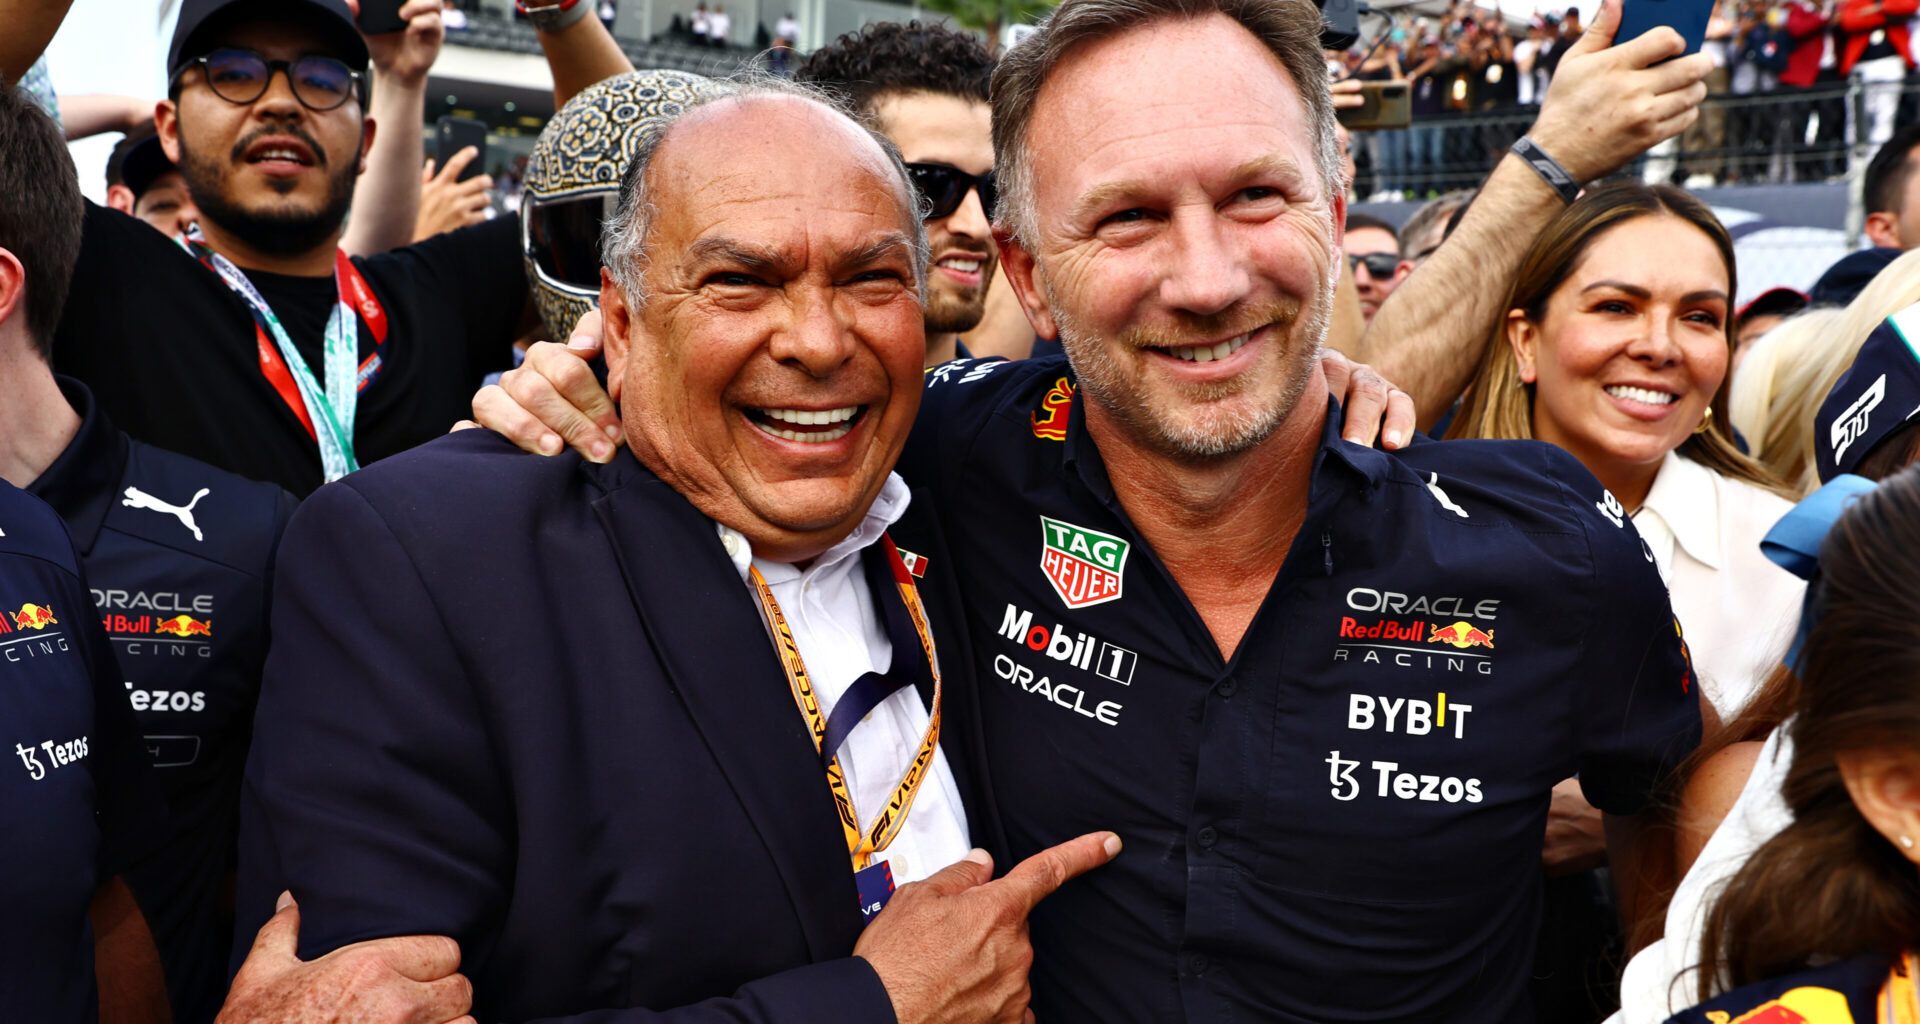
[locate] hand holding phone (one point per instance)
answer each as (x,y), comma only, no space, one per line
(378,17)
(1687,17)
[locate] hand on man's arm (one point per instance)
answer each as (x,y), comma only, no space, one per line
(410,979)
(1606,105)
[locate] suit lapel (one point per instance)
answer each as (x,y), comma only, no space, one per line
(708,635)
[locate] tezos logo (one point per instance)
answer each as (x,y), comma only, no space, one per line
(1085,566)
(1852,424)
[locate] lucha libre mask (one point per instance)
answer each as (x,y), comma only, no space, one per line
(573,183)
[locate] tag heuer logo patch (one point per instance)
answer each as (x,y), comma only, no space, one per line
(1084,566)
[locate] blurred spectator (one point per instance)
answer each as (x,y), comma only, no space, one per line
(1761,315)
(1705,140)
(607,12)
(452,17)
(719,27)
(699,23)
(143,182)
(1777,389)
(1851,273)
(1373,251)
(1891,191)
(1386,148)
(1875,50)
(1427,228)
(788,28)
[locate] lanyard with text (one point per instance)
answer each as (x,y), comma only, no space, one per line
(1899,1001)
(328,412)
(861,846)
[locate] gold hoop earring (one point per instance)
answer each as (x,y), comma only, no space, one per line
(1706,422)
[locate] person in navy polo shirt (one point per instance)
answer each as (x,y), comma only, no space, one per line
(1322,692)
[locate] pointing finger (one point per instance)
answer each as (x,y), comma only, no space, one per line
(1036,878)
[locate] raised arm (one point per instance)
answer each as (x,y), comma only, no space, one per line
(1606,105)
(581,54)
(30,27)
(386,198)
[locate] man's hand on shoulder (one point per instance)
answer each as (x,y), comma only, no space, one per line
(552,400)
(1374,407)
(1610,103)
(411,979)
(954,947)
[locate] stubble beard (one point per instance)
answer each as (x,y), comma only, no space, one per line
(1216,432)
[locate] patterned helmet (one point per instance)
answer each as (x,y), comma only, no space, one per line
(573,183)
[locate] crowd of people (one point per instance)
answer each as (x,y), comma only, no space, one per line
(1780,72)
(961,557)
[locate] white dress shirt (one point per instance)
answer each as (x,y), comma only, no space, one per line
(838,630)
(1738,609)
(1661,980)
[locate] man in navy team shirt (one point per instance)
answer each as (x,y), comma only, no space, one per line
(1322,692)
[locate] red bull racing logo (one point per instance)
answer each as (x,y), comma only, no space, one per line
(184,626)
(1461,635)
(1085,566)
(1805,1005)
(30,616)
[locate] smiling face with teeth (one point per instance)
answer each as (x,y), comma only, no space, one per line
(773,370)
(1184,235)
(951,130)
(1630,349)
(271,174)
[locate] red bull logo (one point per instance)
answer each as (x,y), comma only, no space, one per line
(1462,636)
(34,616)
(1796,1006)
(184,626)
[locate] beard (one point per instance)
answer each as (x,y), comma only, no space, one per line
(1217,427)
(276,231)
(948,313)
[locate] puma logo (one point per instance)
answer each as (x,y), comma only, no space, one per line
(137,498)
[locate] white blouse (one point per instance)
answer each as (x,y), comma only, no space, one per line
(1737,609)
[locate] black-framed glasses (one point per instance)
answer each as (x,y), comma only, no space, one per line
(1379,264)
(946,186)
(242,76)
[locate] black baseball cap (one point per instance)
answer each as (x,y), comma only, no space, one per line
(200,20)
(1846,278)
(137,161)
(1878,394)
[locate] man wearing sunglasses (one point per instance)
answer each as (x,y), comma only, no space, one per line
(925,88)
(1373,249)
(259,346)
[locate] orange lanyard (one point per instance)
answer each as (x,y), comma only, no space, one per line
(861,846)
(1899,1002)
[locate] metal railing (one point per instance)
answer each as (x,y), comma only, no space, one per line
(1780,136)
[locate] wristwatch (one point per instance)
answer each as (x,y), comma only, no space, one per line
(552,15)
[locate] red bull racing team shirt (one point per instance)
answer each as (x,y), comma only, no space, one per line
(1344,821)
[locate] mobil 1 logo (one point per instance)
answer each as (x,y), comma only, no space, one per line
(1081,650)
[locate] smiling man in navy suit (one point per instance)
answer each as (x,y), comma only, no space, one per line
(661,736)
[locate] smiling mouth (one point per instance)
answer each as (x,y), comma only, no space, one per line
(808,426)
(276,153)
(1641,395)
(963,264)
(1208,353)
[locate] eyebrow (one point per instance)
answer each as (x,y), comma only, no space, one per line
(763,259)
(1641,293)
(1271,165)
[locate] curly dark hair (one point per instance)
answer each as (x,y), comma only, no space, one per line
(889,57)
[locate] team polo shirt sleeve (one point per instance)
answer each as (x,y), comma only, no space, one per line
(1638,700)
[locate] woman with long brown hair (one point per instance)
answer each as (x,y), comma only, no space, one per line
(1839,887)
(1615,347)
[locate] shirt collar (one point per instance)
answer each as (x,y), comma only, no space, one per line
(1685,499)
(887,508)
(80,484)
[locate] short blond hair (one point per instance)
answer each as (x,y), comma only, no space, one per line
(1777,392)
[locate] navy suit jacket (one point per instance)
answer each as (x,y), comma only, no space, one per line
(527,702)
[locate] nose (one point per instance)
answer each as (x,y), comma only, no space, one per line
(185,217)
(278,100)
(818,338)
(969,220)
(1207,273)
(1655,344)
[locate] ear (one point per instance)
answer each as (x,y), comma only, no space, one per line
(1525,339)
(1885,787)
(13,288)
(366,143)
(120,197)
(1401,271)
(617,323)
(1884,229)
(166,124)
(1017,263)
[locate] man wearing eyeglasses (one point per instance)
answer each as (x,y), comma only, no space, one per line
(1373,248)
(258,346)
(925,88)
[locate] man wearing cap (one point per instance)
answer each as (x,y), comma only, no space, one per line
(143,182)
(258,346)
